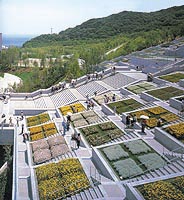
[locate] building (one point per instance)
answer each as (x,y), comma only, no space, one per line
(1,41)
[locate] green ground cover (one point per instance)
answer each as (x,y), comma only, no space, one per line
(141,87)
(101,133)
(124,106)
(174,78)
(131,158)
(166,93)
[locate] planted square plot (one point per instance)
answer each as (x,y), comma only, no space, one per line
(166,93)
(73,108)
(127,168)
(167,189)
(176,130)
(154,114)
(174,78)
(85,118)
(141,87)
(58,180)
(100,98)
(124,106)
(38,119)
(131,158)
(101,133)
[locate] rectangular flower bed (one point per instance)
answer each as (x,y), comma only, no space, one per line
(124,106)
(174,78)
(167,189)
(38,119)
(177,130)
(73,108)
(101,133)
(137,147)
(85,118)
(127,168)
(140,87)
(100,98)
(154,114)
(58,180)
(166,93)
(140,156)
(39,132)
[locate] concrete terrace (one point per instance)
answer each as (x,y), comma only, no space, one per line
(103,185)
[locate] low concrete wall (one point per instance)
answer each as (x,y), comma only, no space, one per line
(100,164)
(167,140)
(132,193)
(181,83)
(147,97)
(7,136)
(125,91)
(159,81)
(176,103)
(107,110)
(30,112)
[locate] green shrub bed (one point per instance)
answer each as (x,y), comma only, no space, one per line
(174,78)
(141,87)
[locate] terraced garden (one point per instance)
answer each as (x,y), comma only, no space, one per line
(154,114)
(59,180)
(141,87)
(131,158)
(167,189)
(40,132)
(166,93)
(101,133)
(174,78)
(124,106)
(73,108)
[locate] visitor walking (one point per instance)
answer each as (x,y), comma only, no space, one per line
(114,97)
(17,119)
(10,121)
(22,115)
(128,121)
(67,125)
(22,129)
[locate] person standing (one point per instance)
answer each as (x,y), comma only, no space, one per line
(22,129)
(22,115)
(143,125)
(67,125)
(114,97)
(10,122)
(17,119)
(128,121)
(78,140)
(64,127)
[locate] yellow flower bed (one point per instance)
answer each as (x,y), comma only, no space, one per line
(176,130)
(161,190)
(36,129)
(49,126)
(51,189)
(157,110)
(50,132)
(170,117)
(37,136)
(58,179)
(152,122)
(139,113)
(38,119)
(31,119)
(78,107)
(44,118)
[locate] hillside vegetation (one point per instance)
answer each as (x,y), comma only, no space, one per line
(170,21)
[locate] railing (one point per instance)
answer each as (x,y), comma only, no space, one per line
(15,167)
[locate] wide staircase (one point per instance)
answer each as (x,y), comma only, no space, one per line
(90,88)
(118,80)
(62,98)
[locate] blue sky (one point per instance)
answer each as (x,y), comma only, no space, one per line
(38,16)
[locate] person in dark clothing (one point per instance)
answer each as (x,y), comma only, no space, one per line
(78,140)
(68,118)
(22,130)
(128,121)
(67,125)
(114,97)
(143,125)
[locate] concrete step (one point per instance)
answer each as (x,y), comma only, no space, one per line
(92,192)
(178,167)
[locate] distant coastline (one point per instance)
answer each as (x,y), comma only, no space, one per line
(16,40)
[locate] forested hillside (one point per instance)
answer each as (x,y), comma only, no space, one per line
(170,21)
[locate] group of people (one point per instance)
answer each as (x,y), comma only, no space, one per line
(89,102)
(107,99)
(95,76)
(130,121)
(58,87)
